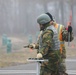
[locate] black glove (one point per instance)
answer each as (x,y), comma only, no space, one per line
(69,29)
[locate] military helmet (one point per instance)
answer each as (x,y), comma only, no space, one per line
(43,19)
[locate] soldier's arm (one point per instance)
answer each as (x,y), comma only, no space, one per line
(47,39)
(37,44)
(65,35)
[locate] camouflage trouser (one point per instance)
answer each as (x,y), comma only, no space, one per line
(52,66)
(45,71)
(62,67)
(62,64)
(63,57)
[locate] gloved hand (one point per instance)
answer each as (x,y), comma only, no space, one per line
(31,46)
(39,55)
(69,29)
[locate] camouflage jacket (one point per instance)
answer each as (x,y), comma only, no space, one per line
(65,35)
(47,42)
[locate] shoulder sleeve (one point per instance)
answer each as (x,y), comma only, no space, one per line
(64,33)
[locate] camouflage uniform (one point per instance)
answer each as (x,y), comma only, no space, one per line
(52,66)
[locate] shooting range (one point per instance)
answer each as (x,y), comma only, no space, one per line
(19,27)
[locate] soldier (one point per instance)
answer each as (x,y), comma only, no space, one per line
(48,46)
(63,37)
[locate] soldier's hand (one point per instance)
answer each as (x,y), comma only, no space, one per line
(39,55)
(31,46)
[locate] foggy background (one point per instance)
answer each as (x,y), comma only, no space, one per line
(19,27)
(18,17)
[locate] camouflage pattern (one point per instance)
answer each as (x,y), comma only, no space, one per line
(52,66)
(65,35)
(62,65)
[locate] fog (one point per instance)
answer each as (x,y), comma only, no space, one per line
(19,27)
(18,17)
